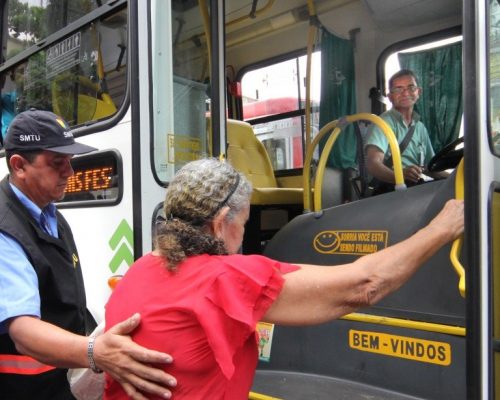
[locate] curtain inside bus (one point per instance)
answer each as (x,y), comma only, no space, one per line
(338,96)
(439,71)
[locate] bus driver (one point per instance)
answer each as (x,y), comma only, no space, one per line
(411,134)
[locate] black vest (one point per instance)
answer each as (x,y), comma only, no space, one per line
(62,294)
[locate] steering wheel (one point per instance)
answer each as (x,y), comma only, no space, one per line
(448,157)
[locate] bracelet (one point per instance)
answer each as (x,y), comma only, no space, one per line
(90,355)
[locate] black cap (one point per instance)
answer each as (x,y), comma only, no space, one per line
(42,130)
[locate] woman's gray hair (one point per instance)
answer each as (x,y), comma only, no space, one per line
(194,197)
(201,188)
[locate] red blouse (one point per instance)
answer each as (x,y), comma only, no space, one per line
(204,315)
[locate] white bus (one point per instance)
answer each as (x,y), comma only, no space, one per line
(154,84)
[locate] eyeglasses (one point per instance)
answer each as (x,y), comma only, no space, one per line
(401,89)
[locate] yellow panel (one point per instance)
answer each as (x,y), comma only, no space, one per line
(495,239)
(496,361)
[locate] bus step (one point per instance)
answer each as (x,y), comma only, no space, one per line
(299,386)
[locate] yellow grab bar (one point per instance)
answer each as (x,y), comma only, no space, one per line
(391,139)
(405,323)
(101,74)
(318,182)
(311,35)
(306,176)
(258,396)
(202,4)
(456,247)
(386,130)
(263,9)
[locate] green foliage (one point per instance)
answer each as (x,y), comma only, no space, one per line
(32,23)
(26,20)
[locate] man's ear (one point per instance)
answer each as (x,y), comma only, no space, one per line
(17,163)
(219,222)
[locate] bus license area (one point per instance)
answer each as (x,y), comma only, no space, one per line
(401,346)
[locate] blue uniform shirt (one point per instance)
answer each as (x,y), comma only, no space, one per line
(18,280)
(418,152)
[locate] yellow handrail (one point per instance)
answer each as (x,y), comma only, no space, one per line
(318,181)
(391,139)
(341,123)
(306,176)
(101,73)
(206,20)
(456,247)
(261,10)
(311,35)
(258,396)
(206,26)
(405,323)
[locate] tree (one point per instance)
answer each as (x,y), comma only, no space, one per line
(26,21)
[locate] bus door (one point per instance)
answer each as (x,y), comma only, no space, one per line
(482,179)
(176,98)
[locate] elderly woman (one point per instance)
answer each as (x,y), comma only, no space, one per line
(200,300)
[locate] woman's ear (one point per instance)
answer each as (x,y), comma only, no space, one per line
(219,222)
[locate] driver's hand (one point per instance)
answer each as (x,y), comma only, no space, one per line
(412,173)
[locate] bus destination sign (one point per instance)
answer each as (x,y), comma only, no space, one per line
(95,178)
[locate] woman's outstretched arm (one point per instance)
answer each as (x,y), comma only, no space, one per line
(315,294)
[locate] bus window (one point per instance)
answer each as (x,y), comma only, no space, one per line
(29,23)
(494,39)
(274,103)
(79,76)
(181,91)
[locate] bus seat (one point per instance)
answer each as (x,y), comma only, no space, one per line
(248,155)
